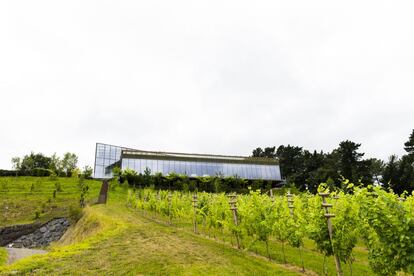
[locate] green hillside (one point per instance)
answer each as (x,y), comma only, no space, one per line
(22,197)
(114,239)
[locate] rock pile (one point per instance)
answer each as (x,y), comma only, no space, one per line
(49,232)
(11,233)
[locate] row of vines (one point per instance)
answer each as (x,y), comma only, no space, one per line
(382,220)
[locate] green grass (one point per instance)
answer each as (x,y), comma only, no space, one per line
(22,197)
(3,256)
(113,239)
(313,260)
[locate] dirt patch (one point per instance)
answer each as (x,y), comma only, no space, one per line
(15,254)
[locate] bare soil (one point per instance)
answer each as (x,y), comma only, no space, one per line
(15,254)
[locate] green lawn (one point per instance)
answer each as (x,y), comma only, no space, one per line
(113,239)
(3,256)
(22,197)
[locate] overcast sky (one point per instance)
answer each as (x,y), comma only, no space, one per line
(205,76)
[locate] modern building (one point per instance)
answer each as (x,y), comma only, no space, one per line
(193,165)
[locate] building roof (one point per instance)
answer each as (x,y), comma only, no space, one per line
(131,153)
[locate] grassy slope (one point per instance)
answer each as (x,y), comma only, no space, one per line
(113,239)
(3,256)
(144,244)
(313,260)
(18,203)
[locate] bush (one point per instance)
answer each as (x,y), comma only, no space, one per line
(41,172)
(9,173)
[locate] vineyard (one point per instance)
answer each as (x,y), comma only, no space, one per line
(336,222)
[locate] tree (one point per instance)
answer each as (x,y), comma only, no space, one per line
(406,175)
(292,164)
(268,152)
(16,163)
(34,161)
(409,145)
(377,169)
(391,172)
(348,159)
(56,164)
(87,172)
(258,152)
(69,163)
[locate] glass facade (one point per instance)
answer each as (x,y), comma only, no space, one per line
(108,156)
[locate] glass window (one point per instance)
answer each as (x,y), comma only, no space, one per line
(165,167)
(193,168)
(178,167)
(233,170)
(224,168)
(200,168)
(263,169)
(143,165)
(252,172)
(239,170)
(244,171)
(258,172)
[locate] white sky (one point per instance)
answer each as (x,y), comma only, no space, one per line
(205,76)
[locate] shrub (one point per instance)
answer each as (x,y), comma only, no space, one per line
(87,172)
(41,172)
(9,173)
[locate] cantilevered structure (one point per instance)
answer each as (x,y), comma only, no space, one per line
(193,165)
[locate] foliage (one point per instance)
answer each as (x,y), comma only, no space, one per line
(181,182)
(84,190)
(87,172)
(41,165)
(388,228)
(371,214)
(69,162)
(306,170)
(409,145)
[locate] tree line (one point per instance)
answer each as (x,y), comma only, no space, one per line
(306,170)
(38,164)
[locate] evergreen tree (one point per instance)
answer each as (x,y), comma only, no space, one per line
(409,145)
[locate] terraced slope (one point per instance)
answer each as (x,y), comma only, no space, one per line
(22,197)
(112,240)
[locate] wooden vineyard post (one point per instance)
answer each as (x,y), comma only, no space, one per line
(290,203)
(143,204)
(272,198)
(195,212)
(233,208)
(169,207)
(328,217)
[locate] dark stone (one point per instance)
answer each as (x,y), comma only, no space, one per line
(10,233)
(42,235)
